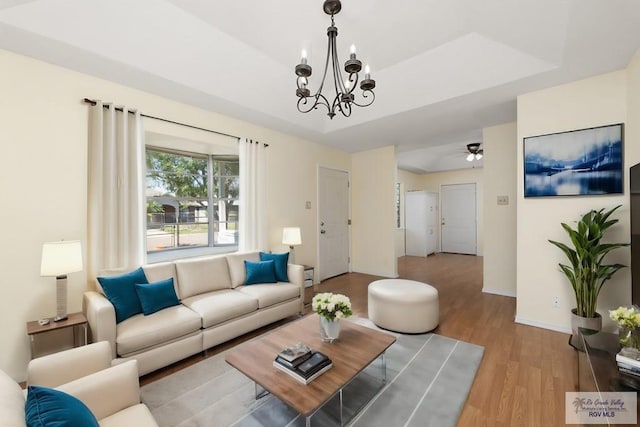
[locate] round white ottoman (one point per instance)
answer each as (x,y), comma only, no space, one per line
(403,305)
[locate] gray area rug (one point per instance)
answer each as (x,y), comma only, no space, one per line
(428,379)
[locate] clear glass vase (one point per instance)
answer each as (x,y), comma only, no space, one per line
(629,337)
(329,329)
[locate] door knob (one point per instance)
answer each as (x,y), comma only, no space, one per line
(322,232)
(322,223)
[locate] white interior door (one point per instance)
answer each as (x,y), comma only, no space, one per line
(420,223)
(458,218)
(416,223)
(333,226)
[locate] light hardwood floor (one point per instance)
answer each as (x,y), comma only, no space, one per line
(525,371)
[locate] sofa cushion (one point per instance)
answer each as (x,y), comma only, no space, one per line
(270,294)
(201,275)
(219,306)
(259,272)
(156,296)
(49,407)
(162,271)
(11,402)
(236,266)
(120,291)
(140,332)
(280,263)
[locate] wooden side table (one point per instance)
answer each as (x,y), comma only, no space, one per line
(35,329)
(308,276)
(308,283)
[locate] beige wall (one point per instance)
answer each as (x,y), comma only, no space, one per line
(409,180)
(292,181)
(596,101)
(373,177)
(44,137)
(500,146)
(632,126)
(434,181)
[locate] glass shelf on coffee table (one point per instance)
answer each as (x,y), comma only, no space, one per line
(597,368)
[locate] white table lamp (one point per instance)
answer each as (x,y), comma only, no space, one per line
(291,236)
(59,259)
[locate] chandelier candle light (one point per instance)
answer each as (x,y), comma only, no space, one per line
(344,88)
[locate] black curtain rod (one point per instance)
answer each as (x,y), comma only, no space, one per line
(92,102)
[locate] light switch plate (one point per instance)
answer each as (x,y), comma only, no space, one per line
(503,200)
(307,205)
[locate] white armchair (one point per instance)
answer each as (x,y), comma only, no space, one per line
(112,393)
(63,367)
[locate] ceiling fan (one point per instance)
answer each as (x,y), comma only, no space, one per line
(475,151)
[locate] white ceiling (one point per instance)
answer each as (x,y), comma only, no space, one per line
(444,69)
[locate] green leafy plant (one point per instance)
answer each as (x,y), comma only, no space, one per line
(587,273)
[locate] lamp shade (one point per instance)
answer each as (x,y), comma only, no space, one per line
(61,258)
(291,236)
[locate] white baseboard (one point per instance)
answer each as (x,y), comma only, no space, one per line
(499,292)
(377,273)
(543,325)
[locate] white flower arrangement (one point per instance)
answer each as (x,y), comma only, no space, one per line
(627,317)
(332,306)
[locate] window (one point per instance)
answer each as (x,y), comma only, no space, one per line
(192,200)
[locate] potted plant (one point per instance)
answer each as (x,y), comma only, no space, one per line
(587,272)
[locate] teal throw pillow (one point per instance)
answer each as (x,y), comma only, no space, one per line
(156,296)
(280,262)
(259,272)
(48,407)
(120,291)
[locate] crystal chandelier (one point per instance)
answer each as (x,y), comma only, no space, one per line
(344,88)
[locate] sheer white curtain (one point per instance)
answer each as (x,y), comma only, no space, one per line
(116,190)
(253,230)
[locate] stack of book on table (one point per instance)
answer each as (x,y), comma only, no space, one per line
(628,361)
(302,362)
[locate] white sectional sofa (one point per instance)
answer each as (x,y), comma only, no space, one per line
(216,306)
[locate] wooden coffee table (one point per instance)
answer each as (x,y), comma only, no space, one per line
(357,347)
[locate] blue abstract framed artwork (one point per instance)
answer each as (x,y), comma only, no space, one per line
(582,162)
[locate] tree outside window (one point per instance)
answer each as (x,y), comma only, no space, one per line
(192,200)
